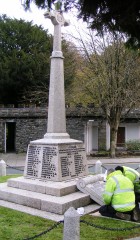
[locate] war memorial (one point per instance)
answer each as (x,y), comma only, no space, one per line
(56,165)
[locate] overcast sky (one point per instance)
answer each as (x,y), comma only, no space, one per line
(14,9)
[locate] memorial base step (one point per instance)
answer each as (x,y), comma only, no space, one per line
(45,187)
(42,201)
(89,209)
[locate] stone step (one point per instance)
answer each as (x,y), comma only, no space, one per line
(46,187)
(89,209)
(43,202)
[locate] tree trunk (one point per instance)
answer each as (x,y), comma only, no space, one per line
(113,140)
(113,137)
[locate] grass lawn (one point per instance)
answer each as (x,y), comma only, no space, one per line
(15,225)
(5,178)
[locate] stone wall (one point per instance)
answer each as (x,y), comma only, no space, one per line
(28,130)
(75,127)
(31,124)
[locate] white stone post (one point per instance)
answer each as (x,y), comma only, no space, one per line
(56,111)
(98,167)
(71,225)
(2,168)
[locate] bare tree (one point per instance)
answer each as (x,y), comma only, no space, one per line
(38,94)
(109,77)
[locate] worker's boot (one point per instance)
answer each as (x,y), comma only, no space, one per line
(135,215)
(123,216)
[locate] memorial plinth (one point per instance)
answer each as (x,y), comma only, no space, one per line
(56,160)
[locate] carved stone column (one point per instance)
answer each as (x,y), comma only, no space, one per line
(56,111)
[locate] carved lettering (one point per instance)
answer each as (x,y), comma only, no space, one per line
(49,163)
(33,161)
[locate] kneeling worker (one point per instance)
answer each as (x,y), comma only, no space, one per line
(134,176)
(119,197)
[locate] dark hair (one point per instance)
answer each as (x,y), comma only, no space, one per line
(119,168)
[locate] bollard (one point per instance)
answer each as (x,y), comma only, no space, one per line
(105,175)
(71,225)
(2,168)
(98,167)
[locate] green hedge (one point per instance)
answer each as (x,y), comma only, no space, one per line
(133,145)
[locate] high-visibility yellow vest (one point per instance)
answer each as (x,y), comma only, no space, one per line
(119,192)
(134,176)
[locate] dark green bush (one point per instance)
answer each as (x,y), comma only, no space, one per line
(133,145)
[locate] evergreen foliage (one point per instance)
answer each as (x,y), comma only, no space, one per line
(24,58)
(25,51)
(120,15)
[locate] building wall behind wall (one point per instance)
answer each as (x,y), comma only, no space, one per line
(132,130)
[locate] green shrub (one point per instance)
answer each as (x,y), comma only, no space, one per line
(133,145)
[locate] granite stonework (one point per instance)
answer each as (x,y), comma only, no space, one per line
(42,201)
(44,214)
(56,127)
(53,197)
(58,189)
(71,225)
(56,157)
(57,161)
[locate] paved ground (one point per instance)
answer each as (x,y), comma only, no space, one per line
(13,159)
(18,160)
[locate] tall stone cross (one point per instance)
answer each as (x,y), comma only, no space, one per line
(56,157)
(56,127)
